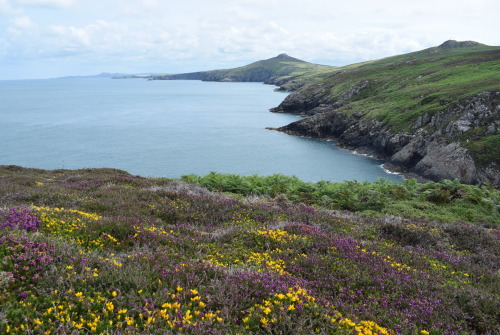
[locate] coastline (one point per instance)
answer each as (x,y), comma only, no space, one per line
(153,139)
(386,166)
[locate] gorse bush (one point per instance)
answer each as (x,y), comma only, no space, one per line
(103,252)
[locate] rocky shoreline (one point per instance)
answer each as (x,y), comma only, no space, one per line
(362,151)
(430,151)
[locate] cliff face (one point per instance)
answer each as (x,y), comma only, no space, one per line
(431,148)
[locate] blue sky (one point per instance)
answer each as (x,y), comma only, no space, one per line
(52,38)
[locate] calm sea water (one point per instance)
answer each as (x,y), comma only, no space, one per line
(163,129)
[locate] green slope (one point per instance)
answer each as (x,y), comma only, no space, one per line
(403,87)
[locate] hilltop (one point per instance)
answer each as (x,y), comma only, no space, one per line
(102,251)
(276,70)
(434,113)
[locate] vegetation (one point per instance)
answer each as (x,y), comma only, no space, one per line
(445,201)
(401,88)
(102,251)
(485,149)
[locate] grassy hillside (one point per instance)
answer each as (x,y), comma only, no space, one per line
(102,251)
(401,88)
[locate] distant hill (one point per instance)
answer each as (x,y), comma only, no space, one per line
(434,113)
(100,75)
(276,70)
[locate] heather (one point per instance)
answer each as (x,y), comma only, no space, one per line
(102,251)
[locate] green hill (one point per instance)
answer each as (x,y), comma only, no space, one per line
(435,113)
(275,70)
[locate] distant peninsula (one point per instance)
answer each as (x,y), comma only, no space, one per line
(274,71)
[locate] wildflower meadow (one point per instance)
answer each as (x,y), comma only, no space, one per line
(100,251)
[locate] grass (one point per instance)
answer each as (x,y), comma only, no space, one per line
(102,251)
(485,149)
(422,85)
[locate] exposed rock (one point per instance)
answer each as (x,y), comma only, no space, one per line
(452,44)
(446,161)
(432,151)
(178,186)
(303,101)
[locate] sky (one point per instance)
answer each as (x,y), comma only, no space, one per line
(54,38)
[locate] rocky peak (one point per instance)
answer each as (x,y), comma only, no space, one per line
(452,44)
(283,56)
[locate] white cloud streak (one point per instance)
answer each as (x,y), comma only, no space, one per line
(48,3)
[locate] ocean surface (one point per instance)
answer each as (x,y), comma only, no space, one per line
(164,129)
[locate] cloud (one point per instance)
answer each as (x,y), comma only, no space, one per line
(71,37)
(149,3)
(23,22)
(5,7)
(48,3)
(19,26)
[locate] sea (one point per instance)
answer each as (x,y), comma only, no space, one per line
(164,129)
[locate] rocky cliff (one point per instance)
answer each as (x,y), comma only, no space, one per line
(432,149)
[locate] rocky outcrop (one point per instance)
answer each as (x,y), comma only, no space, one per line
(452,44)
(303,101)
(432,149)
